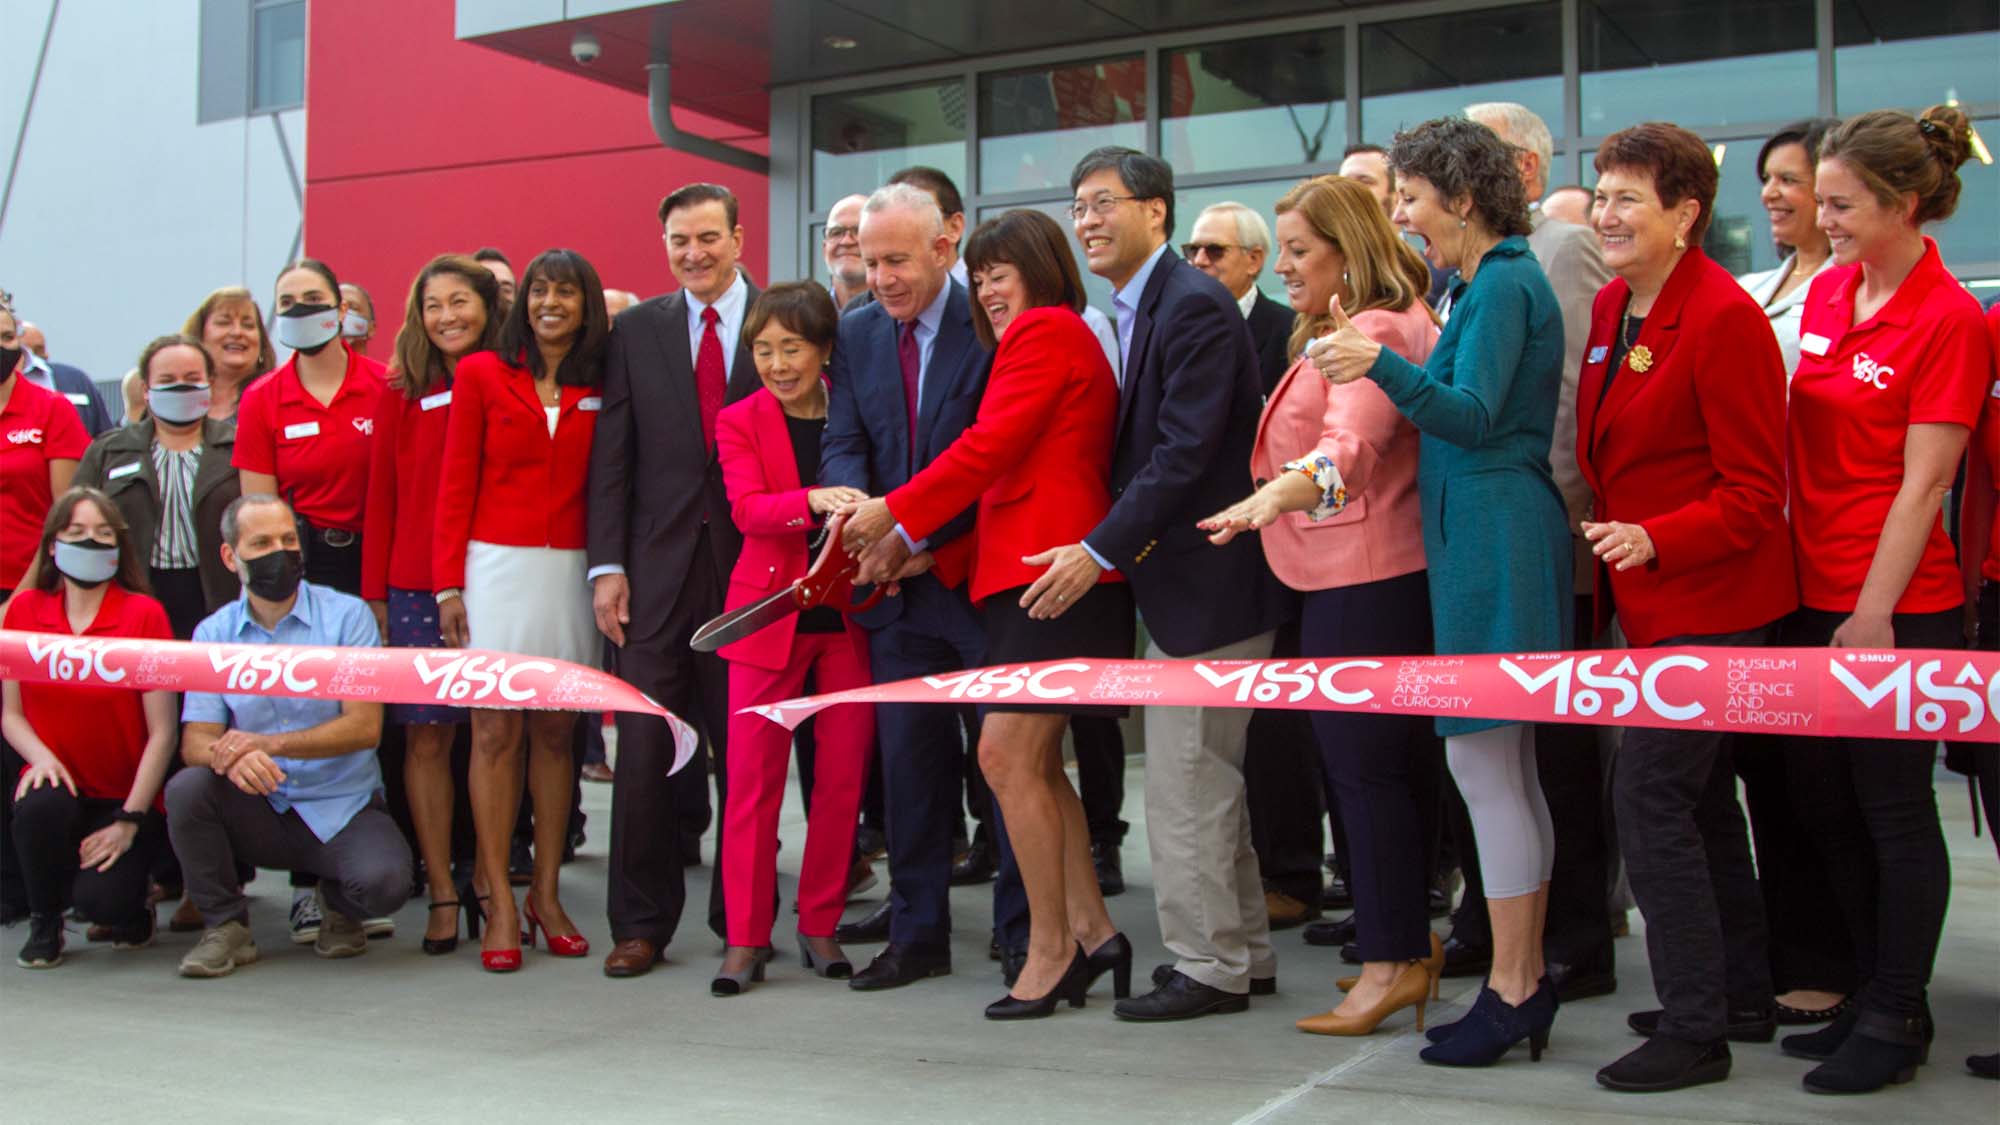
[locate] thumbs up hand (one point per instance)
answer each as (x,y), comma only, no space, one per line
(1344,354)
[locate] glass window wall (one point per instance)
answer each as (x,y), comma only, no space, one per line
(1417,69)
(1893,55)
(1695,62)
(1254,103)
(1037,122)
(860,139)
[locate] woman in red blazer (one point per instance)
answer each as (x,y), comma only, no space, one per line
(1037,460)
(768,444)
(452,313)
(1680,434)
(508,567)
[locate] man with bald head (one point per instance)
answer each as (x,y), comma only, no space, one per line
(72,383)
(906,375)
(840,247)
(1577,943)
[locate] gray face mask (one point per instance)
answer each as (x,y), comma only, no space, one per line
(182,404)
(307,328)
(87,562)
(354,326)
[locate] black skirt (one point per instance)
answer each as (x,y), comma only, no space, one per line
(1099,625)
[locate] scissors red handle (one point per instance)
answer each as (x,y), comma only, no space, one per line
(830,582)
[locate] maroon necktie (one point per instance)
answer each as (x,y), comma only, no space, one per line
(709,374)
(911,358)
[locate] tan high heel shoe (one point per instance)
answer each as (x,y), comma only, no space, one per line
(1434,964)
(1412,986)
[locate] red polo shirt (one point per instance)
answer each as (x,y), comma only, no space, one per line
(319,453)
(403,490)
(36,427)
(1923,358)
(98,733)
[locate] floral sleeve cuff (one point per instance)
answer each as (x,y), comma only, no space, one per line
(1325,474)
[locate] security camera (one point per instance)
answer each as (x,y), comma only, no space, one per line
(585,48)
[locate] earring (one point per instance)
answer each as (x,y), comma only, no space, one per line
(1461,224)
(1344,280)
(1680,243)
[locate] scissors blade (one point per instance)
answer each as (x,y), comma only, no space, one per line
(740,623)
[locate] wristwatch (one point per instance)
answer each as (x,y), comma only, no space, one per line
(127,816)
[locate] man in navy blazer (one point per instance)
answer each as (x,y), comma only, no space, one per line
(916,335)
(1189,399)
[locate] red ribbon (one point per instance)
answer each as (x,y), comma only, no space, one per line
(1919,694)
(454,677)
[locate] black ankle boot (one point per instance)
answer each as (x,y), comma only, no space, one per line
(1820,1045)
(1663,1063)
(1883,1050)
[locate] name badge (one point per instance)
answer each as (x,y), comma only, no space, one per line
(78,400)
(1812,343)
(1597,354)
(593,402)
(122,471)
(301,429)
(432,402)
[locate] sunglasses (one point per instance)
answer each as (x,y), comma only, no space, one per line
(1212,250)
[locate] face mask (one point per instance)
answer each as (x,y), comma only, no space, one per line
(308,328)
(354,326)
(182,404)
(10,358)
(273,577)
(87,562)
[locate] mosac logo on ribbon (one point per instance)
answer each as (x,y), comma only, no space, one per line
(72,661)
(463,678)
(1631,685)
(1005,683)
(1267,682)
(1874,374)
(1906,681)
(256,671)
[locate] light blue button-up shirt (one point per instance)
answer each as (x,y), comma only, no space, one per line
(327,792)
(1126,301)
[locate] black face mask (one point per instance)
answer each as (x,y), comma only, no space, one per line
(10,358)
(273,577)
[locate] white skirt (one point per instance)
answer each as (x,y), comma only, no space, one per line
(530,600)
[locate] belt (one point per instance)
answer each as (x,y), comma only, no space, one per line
(335,537)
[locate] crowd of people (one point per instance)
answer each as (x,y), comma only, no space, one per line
(1478,427)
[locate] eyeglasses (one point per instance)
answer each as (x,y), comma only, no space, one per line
(1103,205)
(835,234)
(1213,250)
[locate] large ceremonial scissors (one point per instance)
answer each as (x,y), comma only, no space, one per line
(829,583)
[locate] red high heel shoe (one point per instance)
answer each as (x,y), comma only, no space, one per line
(497,960)
(560,945)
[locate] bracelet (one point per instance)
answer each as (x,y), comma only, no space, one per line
(127,816)
(444,596)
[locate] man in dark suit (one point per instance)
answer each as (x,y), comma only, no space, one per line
(1281,772)
(907,374)
(1187,417)
(661,547)
(70,382)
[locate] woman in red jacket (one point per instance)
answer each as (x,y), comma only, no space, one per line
(1037,461)
(1680,424)
(1894,364)
(452,313)
(87,816)
(769,447)
(508,567)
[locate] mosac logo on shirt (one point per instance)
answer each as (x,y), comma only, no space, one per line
(365,425)
(1874,374)
(25,437)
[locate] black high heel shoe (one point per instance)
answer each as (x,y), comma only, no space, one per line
(1115,957)
(1494,1026)
(1074,983)
(438,947)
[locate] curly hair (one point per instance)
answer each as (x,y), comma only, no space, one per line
(1465,160)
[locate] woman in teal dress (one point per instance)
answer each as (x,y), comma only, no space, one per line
(1497,549)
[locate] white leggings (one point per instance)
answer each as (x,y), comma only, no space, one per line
(1495,771)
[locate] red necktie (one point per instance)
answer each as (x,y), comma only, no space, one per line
(710,375)
(912,359)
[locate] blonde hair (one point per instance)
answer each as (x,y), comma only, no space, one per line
(197,321)
(1383,271)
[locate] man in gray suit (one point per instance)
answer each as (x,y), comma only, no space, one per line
(1577,945)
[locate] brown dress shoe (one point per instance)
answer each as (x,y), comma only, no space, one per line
(1286,911)
(633,957)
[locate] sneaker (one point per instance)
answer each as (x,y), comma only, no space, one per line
(305,916)
(220,951)
(44,949)
(379,927)
(339,935)
(138,935)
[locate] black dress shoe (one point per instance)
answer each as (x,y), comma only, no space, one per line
(1579,981)
(1259,986)
(1351,953)
(1662,1063)
(976,866)
(1462,959)
(899,965)
(872,926)
(1337,895)
(1983,1066)
(1074,983)
(1747,1025)
(520,862)
(871,843)
(1110,868)
(1340,931)
(1011,962)
(1181,998)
